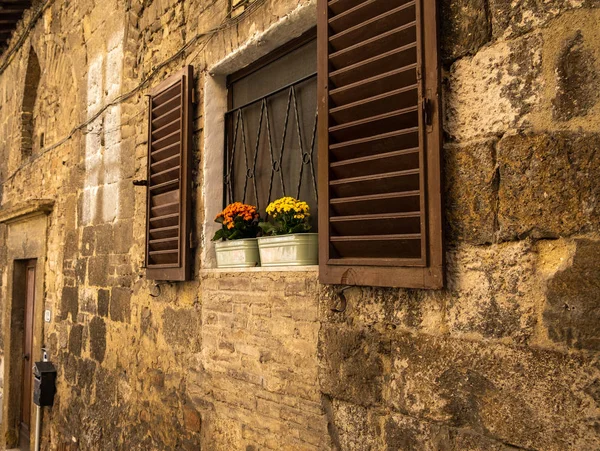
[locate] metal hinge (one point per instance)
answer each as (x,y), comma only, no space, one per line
(427,112)
(140,182)
(191,240)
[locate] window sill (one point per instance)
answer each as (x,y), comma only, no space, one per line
(261,269)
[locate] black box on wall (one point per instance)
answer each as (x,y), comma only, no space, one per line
(44,384)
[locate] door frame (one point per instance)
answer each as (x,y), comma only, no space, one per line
(27,351)
(25,239)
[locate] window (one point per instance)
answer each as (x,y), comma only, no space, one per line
(168,216)
(237,7)
(271,128)
(379,144)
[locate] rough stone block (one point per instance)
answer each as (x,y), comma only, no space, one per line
(88,241)
(578,80)
(527,398)
(572,313)
(471,192)
(548,185)
(75,339)
(98,271)
(181,328)
(104,239)
(495,90)
(352,364)
(191,419)
(120,305)
(353,426)
(514,18)
(69,303)
(81,270)
(465,27)
(123,236)
(103,302)
(492,291)
(97,329)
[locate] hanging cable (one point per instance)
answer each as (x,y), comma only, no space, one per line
(227,22)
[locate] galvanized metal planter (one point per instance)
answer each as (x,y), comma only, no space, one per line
(237,253)
(298,249)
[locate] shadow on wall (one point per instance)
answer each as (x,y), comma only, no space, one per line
(32,81)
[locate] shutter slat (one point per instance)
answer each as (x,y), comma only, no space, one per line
(158,111)
(162,187)
(376,184)
(377,65)
(338,6)
(165,209)
(373,106)
(382,139)
(382,246)
(165,232)
(376,224)
(365,10)
(376,125)
(166,152)
(399,160)
(362,238)
(374,26)
(165,221)
(167,198)
(165,164)
(167,95)
(169,175)
(376,204)
(166,129)
(376,85)
(167,117)
(165,244)
(166,141)
(388,41)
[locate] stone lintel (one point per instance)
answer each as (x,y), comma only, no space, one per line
(25,210)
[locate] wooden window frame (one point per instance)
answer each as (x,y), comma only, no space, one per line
(386,273)
(182,270)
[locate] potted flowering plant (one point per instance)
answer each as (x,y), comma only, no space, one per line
(236,245)
(286,240)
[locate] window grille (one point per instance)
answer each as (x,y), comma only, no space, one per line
(271,136)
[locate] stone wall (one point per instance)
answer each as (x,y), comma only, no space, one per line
(505,357)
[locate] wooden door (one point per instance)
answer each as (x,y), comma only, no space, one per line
(26,384)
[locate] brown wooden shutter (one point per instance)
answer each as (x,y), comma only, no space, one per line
(169,179)
(380,220)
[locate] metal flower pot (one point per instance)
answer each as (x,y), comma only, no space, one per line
(300,249)
(237,253)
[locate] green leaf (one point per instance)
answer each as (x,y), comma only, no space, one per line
(219,235)
(266,227)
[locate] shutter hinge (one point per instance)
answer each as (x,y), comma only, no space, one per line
(427,112)
(140,182)
(191,240)
(194,96)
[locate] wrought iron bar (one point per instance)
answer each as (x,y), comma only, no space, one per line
(266,151)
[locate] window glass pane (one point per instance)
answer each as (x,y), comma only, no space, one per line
(290,67)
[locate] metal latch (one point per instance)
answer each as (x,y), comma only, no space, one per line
(427,113)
